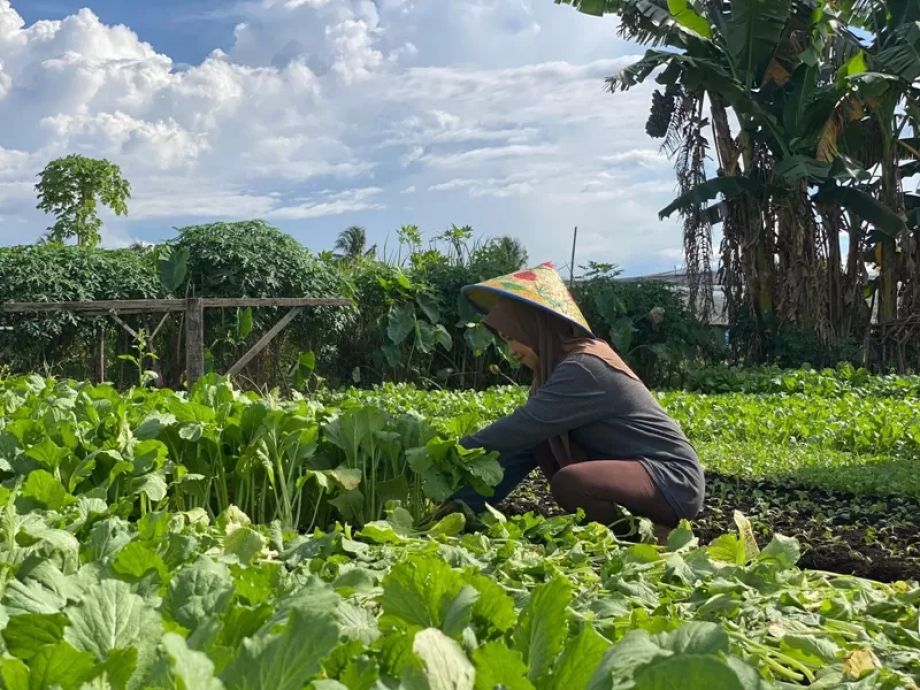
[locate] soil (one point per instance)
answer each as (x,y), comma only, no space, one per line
(869,536)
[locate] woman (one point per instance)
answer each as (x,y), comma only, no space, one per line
(595,430)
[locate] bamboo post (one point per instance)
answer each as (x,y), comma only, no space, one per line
(99,359)
(572,262)
(194,339)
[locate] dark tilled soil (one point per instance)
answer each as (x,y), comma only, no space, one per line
(869,536)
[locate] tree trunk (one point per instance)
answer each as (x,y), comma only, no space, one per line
(836,312)
(887,248)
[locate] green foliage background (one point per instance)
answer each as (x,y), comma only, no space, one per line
(408,323)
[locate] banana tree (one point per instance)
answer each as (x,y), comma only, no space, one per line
(783,71)
(883,86)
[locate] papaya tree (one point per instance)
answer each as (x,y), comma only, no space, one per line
(71,189)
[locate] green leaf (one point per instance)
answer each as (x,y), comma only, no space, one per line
(244,323)
(810,649)
(543,627)
(60,666)
(443,338)
(172,267)
(500,667)
(478,338)
(688,672)
(152,426)
(494,605)
(902,56)
(457,612)
(119,668)
(15,674)
(256,584)
(192,670)
(686,16)
(782,550)
(704,192)
(46,490)
(424,591)
(448,526)
(483,466)
(327,684)
(357,623)
(400,322)
(446,665)
(621,334)
(754,30)
(347,477)
(44,590)
(801,167)
(198,590)
(855,65)
(429,306)
(110,616)
(136,559)
(152,485)
(27,633)
(285,660)
(581,656)
(48,453)
(356,580)
(728,548)
(863,205)
(306,365)
(695,638)
(244,543)
(619,664)
(596,8)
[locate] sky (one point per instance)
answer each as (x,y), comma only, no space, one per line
(315,115)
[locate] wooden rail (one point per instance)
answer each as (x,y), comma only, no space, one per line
(193,308)
(151,306)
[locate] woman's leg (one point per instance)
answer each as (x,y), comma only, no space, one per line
(516,466)
(600,487)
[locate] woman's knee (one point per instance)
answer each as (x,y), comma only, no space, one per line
(566,487)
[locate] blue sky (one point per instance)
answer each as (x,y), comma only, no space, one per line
(319,114)
(186,30)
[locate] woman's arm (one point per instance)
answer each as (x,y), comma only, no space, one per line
(571,398)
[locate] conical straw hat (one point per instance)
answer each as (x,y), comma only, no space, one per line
(541,286)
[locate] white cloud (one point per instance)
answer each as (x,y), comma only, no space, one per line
(185,197)
(646,158)
(479,187)
(491,112)
(477,156)
(332,205)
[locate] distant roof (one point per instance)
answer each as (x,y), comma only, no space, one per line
(678,277)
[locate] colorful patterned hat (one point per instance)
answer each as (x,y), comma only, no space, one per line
(541,286)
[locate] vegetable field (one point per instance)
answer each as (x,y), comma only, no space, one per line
(223,539)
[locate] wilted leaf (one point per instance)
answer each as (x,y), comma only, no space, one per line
(446,665)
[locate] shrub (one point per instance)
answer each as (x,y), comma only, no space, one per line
(254,259)
(649,325)
(53,273)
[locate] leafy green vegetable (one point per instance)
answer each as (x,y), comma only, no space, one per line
(209,583)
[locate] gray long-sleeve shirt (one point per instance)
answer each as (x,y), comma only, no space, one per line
(611,416)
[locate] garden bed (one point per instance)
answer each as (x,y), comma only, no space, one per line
(873,537)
